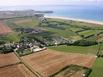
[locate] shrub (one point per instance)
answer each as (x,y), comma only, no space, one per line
(84,43)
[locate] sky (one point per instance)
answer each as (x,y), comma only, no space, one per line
(47,2)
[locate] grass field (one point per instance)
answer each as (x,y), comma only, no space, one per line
(87,33)
(70,27)
(97,68)
(76,29)
(27,22)
(65,33)
(22,22)
(76,49)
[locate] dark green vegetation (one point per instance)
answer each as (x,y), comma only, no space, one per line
(82,37)
(71,70)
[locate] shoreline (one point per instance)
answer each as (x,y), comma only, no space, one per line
(75,19)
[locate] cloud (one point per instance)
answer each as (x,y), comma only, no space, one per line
(46,2)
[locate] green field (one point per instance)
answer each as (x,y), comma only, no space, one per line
(76,49)
(65,33)
(97,68)
(76,29)
(87,33)
(26,22)
(70,27)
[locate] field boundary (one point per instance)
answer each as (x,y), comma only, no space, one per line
(27,66)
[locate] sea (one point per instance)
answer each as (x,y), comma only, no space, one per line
(86,12)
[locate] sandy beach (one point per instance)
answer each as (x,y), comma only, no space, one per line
(74,19)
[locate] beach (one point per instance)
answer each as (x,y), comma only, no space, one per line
(75,19)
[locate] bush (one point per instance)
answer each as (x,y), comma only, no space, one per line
(84,43)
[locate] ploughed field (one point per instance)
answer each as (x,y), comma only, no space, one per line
(18,70)
(48,62)
(8,59)
(4,29)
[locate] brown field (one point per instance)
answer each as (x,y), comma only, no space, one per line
(23,21)
(71,74)
(8,59)
(4,29)
(100,38)
(18,70)
(48,62)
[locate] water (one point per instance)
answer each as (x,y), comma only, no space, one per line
(89,12)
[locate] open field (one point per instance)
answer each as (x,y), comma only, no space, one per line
(70,27)
(69,32)
(87,33)
(45,60)
(65,33)
(23,22)
(76,29)
(4,29)
(18,70)
(8,59)
(100,37)
(97,66)
(72,70)
(27,22)
(76,49)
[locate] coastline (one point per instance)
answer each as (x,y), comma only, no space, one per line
(75,19)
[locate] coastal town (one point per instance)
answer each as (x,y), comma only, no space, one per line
(33,43)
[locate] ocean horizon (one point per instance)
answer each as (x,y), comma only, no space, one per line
(86,12)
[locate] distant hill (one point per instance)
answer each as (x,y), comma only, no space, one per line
(21,13)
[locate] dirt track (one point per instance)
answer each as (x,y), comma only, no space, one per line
(48,62)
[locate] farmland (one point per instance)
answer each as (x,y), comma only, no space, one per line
(97,66)
(69,71)
(18,70)
(8,59)
(54,32)
(23,22)
(89,32)
(41,63)
(68,29)
(4,29)
(44,60)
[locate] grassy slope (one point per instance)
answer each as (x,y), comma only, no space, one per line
(77,49)
(13,37)
(97,68)
(31,23)
(90,32)
(65,33)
